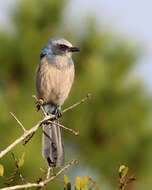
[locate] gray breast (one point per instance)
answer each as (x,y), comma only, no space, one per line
(53,84)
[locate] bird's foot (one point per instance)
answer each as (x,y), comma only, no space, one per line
(58,112)
(39,103)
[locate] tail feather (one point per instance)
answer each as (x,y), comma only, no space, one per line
(52,145)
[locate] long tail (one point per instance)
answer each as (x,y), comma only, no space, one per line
(52,145)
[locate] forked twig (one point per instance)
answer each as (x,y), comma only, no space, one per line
(41,183)
(21,125)
(35,128)
(27,133)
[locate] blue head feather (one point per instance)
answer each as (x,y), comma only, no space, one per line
(47,48)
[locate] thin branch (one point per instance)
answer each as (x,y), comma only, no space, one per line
(42,183)
(68,108)
(35,128)
(78,103)
(42,170)
(94,183)
(21,125)
(48,172)
(66,128)
(22,137)
(71,130)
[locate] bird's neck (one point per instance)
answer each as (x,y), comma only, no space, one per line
(60,61)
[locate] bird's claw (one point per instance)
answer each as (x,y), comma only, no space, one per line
(58,112)
(39,103)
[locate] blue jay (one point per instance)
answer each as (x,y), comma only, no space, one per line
(54,78)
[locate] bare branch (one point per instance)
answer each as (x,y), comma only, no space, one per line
(94,183)
(66,128)
(21,125)
(22,137)
(78,103)
(35,128)
(42,183)
(71,130)
(48,172)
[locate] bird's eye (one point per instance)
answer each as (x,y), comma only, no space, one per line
(63,47)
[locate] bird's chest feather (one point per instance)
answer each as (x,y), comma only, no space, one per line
(54,84)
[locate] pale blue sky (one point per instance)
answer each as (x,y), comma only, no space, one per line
(131,17)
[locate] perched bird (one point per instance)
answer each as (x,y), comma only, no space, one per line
(54,78)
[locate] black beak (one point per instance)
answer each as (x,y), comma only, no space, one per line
(74,49)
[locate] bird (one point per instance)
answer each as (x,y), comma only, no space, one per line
(54,79)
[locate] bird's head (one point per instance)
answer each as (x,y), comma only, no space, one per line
(58,46)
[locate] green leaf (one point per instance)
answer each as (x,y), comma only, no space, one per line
(1,170)
(85,180)
(67,183)
(123,170)
(21,160)
(66,179)
(78,183)
(84,183)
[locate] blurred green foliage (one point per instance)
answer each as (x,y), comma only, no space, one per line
(115,125)
(81,183)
